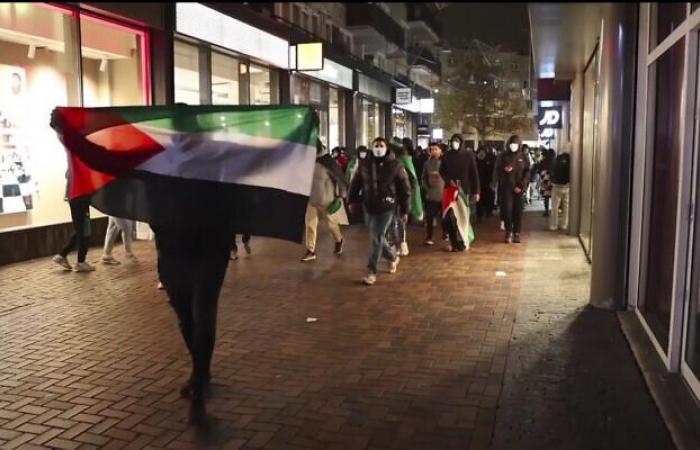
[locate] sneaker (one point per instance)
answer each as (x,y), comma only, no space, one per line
(429,242)
(109,260)
(338,248)
(370,279)
(509,238)
(404,249)
(394,265)
(309,256)
(83,267)
(234,255)
(246,246)
(516,238)
(503,226)
(62,261)
(160,286)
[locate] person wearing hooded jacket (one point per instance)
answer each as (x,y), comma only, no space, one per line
(381,185)
(512,174)
(459,169)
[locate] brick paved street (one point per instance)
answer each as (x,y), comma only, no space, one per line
(417,361)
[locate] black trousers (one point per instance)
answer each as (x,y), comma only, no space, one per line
(485,206)
(449,224)
(512,208)
(192,265)
(80,216)
(433,212)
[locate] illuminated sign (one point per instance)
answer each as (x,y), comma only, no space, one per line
(549,117)
(309,56)
(404,96)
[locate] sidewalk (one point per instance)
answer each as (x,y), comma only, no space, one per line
(417,361)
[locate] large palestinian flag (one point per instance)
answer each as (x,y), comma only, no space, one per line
(247,167)
(453,198)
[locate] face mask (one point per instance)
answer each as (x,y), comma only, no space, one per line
(379,151)
(363,155)
(514,147)
(455,145)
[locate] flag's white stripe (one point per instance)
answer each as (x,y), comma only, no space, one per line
(230,158)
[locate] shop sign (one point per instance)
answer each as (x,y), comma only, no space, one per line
(309,56)
(423,130)
(549,117)
(404,96)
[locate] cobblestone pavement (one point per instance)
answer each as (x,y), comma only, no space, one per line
(415,362)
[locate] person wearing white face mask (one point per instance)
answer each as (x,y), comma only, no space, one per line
(512,173)
(380,185)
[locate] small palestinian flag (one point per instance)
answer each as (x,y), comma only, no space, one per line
(453,198)
(245,167)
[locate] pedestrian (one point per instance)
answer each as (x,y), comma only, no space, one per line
(80,217)
(512,172)
(116,225)
(420,158)
(561,172)
(433,186)
(327,191)
(246,246)
(546,179)
(485,162)
(458,169)
(531,162)
(381,185)
(397,230)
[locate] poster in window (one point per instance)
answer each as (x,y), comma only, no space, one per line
(16,184)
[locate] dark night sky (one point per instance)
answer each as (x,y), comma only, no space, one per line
(493,23)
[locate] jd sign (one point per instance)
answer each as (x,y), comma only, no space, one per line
(549,117)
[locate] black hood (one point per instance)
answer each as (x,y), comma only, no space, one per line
(461,141)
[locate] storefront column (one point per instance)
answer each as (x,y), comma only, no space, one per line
(350,104)
(388,121)
(612,169)
(285,87)
(163,59)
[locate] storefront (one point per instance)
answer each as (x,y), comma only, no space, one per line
(403,123)
(226,62)
(57,56)
(374,101)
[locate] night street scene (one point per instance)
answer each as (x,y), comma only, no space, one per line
(353,226)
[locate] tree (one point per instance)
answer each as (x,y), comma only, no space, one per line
(476,97)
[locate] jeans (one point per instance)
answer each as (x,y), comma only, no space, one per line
(433,212)
(397,229)
(192,266)
(512,208)
(378,245)
(114,227)
(80,215)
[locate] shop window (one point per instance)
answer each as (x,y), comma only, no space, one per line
(336,115)
(661,190)
(186,73)
(38,71)
(666,17)
(259,85)
(225,86)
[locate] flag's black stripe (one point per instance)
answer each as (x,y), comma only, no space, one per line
(172,201)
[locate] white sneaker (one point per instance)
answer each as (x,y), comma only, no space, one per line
(370,279)
(429,242)
(110,261)
(394,265)
(404,249)
(160,286)
(83,267)
(503,226)
(63,262)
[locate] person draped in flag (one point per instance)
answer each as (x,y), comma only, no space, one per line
(197,175)
(512,173)
(403,149)
(459,170)
(381,185)
(328,189)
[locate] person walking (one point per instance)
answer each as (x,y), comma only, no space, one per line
(116,225)
(433,186)
(327,190)
(458,168)
(381,185)
(561,172)
(512,173)
(80,217)
(485,161)
(398,230)
(546,179)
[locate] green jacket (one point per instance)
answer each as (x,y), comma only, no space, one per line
(416,200)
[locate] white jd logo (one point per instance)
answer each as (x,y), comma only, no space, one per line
(551,117)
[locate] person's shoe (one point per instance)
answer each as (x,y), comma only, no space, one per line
(370,279)
(516,238)
(83,267)
(198,412)
(309,256)
(404,249)
(234,255)
(338,248)
(429,242)
(109,260)
(62,261)
(503,226)
(246,246)
(394,265)
(509,238)
(160,286)
(186,389)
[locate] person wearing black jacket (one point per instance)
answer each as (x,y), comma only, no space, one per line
(561,170)
(485,161)
(512,172)
(380,185)
(459,169)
